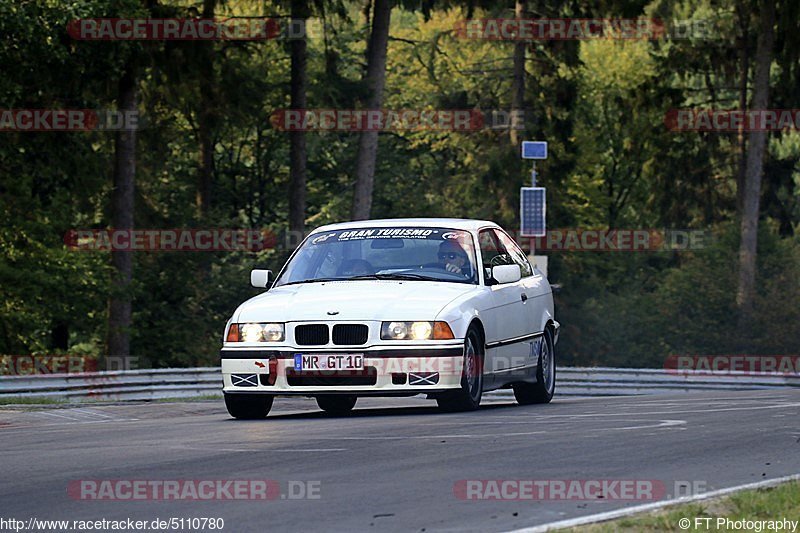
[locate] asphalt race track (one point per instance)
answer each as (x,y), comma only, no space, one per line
(393,464)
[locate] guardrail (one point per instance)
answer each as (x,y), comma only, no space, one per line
(120,385)
(194,382)
(605,381)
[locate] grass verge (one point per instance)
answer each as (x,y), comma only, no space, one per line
(771,503)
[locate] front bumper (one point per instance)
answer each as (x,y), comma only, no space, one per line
(388,371)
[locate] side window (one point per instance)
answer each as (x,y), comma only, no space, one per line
(492,251)
(516,254)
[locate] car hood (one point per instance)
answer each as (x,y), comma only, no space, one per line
(353,300)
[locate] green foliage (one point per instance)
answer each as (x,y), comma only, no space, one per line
(600,104)
(770,503)
(684,307)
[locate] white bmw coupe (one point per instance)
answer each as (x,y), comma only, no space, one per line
(444,307)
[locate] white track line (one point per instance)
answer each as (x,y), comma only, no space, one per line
(56,415)
(627,511)
(91,413)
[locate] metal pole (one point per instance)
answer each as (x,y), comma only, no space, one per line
(533,181)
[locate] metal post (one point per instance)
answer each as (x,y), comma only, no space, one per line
(533,181)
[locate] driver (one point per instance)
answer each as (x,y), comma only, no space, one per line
(454,258)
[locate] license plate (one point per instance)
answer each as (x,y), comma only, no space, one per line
(352,361)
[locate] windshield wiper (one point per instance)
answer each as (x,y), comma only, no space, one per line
(313,280)
(404,276)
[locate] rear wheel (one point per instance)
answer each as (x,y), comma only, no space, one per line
(468,397)
(248,406)
(542,391)
(337,404)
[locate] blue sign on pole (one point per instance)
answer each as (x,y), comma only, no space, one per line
(532,211)
(534,149)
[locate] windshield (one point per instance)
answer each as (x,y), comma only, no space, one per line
(413,253)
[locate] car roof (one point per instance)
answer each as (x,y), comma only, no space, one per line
(450,223)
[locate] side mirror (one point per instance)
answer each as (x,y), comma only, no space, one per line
(260,278)
(506,274)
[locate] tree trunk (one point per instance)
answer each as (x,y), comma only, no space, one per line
(741,139)
(297,139)
(59,336)
(745,295)
(376,79)
(518,83)
(119,308)
(206,119)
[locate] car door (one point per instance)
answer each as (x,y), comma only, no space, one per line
(533,289)
(506,312)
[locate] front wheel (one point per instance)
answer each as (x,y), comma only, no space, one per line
(542,391)
(337,405)
(248,406)
(468,397)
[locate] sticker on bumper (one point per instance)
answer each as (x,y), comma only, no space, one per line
(423,378)
(244,380)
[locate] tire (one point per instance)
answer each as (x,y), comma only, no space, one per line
(468,397)
(337,404)
(542,391)
(248,406)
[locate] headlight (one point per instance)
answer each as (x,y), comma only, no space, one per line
(394,330)
(421,330)
(415,331)
(254,332)
(273,332)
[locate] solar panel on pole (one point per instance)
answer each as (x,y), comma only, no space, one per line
(532,209)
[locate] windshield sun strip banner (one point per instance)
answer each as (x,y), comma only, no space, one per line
(357,234)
